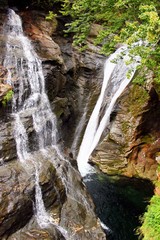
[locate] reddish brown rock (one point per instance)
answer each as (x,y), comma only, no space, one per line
(40,31)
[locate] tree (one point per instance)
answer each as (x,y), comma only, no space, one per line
(123,21)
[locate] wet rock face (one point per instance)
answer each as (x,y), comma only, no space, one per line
(18,193)
(73,79)
(39,30)
(66,75)
(65,197)
(36,234)
(84,74)
(133,142)
(7,142)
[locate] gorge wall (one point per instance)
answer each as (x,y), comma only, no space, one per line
(63,193)
(132,146)
(73,81)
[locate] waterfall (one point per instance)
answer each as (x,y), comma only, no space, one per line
(117,75)
(25,67)
(25,70)
(31,104)
(78,131)
(42,216)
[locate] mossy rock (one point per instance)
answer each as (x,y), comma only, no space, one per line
(138,99)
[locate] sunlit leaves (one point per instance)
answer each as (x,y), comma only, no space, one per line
(151,21)
(151,226)
(123,21)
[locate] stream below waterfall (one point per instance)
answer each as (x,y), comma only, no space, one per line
(119,201)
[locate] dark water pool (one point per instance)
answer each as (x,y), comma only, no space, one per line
(119,201)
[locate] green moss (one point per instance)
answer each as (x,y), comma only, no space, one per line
(101,178)
(138,97)
(158,168)
(125,126)
(150,228)
(147,139)
(7,97)
(51,16)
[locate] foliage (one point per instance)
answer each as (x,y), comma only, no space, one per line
(7,97)
(124,21)
(151,220)
(50,16)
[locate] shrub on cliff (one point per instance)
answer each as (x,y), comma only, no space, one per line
(151,220)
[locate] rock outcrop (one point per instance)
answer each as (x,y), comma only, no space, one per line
(132,144)
(18,193)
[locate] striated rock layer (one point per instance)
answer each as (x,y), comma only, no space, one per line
(133,144)
(68,75)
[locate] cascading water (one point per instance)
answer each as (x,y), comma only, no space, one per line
(115,81)
(25,67)
(78,131)
(31,94)
(30,103)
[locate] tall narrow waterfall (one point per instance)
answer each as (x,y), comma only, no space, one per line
(115,81)
(36,136)
(25,69)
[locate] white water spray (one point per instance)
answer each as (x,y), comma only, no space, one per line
(25,69)
(43,218)
(114,82)
(30,104)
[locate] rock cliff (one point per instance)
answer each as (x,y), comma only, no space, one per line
(73,81)
(132,146)
(66,76)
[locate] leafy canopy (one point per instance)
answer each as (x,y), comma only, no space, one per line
(123,21)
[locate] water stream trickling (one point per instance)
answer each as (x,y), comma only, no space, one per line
(25,69)
(115,81)
(78,131)
(35,131)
